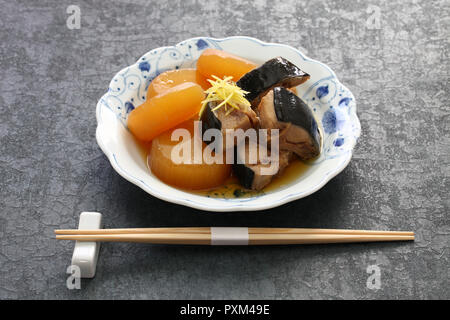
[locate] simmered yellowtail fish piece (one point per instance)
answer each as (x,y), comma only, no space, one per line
(275,72)
(256,175)
(222,120)
(281,109)
(226,108)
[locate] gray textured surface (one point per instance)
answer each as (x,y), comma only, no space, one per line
(51,168)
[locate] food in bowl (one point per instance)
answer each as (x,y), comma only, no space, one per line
(203,123)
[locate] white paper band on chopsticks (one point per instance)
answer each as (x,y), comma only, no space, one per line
(228,236)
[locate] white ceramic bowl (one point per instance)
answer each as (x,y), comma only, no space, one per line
(332,103)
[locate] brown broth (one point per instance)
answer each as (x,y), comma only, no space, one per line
(232,188)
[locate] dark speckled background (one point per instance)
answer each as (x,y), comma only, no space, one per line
(51,168)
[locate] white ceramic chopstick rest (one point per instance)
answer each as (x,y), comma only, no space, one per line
(85,254)
(229,236)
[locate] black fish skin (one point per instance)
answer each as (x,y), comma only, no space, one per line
(290,108)
(275,72)
(244,174)
(209,120)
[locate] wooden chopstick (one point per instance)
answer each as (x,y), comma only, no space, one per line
(207,230)
(256,236)
(258,239)
(158,238)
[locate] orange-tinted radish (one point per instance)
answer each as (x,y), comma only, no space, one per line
(202,80)
(184,175)
(222,64)
(165,111)
(172,78)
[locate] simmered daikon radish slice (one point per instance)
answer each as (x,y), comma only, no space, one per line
(202,80)
(222,64)
(185,175)
(165,111)
(172,78)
